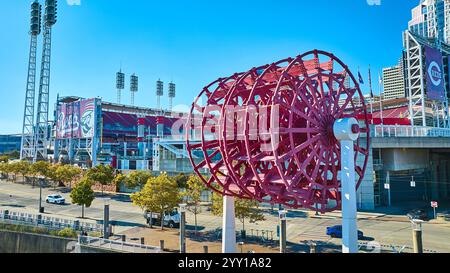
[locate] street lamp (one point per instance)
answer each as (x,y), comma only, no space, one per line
(41,209)
(282,215)
(182,228)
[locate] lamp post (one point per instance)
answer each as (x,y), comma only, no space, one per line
(182,228)
(282,214)
(41,209)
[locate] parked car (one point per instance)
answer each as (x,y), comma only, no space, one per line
(171,219)
(55,199)
(418,214)
(336,232)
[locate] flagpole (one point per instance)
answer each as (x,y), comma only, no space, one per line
(381,98)
(371,95)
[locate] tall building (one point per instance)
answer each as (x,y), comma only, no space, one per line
(431,19)
(394,81)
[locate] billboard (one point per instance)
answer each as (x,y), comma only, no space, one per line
(435,74)
(76,119)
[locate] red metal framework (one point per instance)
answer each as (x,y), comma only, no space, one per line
(267,134)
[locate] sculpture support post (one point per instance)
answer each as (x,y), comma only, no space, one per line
(347,131)
(228,226)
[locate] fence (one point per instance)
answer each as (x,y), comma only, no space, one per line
(117,245)
(52,223)
(376,247)
(409,131)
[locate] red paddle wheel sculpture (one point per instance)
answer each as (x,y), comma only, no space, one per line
(267,134)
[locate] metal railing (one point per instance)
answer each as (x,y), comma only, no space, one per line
(52,223)
(117,245)
(409,131)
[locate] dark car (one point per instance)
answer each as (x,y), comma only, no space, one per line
(336,232)
(418,214)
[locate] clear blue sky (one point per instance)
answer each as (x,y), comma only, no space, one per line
(189,42)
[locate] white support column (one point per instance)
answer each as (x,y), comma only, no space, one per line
(347,131)
(228,226)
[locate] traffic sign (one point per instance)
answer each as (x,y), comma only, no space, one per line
(387,186)
(434,204)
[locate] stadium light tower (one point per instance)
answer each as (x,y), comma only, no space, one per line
(27,148)
(159,93)
(172,93)
(134,87)
(120,85)
(41,129)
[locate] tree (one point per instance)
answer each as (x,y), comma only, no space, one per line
(137,179)
(194,190)
(4,169)
(4,159)
(41,168)
(119,180)
(104,175)
(53,175)
(160,194)
(82,194)
(23,167)
(181,180)
(14,168)
(244,209)
(67,173)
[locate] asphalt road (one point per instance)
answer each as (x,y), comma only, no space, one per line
(302,226)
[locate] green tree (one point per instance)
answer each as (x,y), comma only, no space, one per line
(23,167)
(67,173)
(244,209)
(159,195)
(4,169)
(137,179)
(104,175)
(14,168)
(193,194)
(40,168)
(119,180)
(82,194)
(4,159)
(181,180)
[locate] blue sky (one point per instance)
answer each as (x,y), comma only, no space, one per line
(189,42)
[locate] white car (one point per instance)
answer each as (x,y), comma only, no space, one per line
(55,199)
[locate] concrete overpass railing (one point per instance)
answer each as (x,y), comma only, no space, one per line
(387,131)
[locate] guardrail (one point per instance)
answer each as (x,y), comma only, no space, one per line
(117,245)
(52,223)
(409,131)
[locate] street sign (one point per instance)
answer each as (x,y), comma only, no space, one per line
(434,204)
